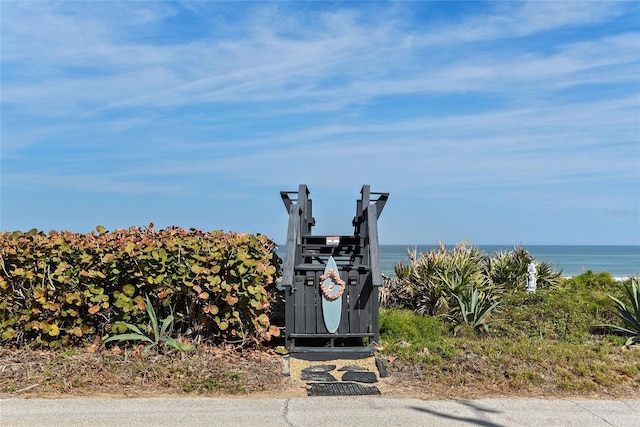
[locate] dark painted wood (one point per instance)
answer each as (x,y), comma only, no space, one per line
(374,255)
(298,300)
(357,258)
(292,242)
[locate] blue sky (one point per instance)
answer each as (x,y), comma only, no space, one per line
(496,122)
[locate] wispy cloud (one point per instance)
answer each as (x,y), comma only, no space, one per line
(508,101)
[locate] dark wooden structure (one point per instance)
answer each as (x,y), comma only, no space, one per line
(357,258)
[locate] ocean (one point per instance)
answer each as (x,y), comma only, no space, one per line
(620,261)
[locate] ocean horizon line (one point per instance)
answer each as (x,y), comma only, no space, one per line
(621,261)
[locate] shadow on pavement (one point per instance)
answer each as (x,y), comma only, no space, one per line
(473,421)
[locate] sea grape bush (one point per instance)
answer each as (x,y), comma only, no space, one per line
(67,288)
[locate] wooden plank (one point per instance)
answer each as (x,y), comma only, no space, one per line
(328,335)
(306,209)
(310,221)
(374,254)
(365,305)
(293,239)
(288,272)
(320,267)
(381,201)
(352,300)
(366,196)
(344,328)
(298,306)
(375,315)
(286,199)
(307,306)
(289,313)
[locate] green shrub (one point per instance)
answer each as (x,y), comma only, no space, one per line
(429,283)
(508,270)
(414,337)
(630,316)
(67,288)
(404,325)
(570,312)
(462,284)
(602,281)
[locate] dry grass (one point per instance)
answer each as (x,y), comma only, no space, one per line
(473,372)
(207,371)
(498,368)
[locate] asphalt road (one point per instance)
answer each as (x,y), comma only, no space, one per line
(317,411)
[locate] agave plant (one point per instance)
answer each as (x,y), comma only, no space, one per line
(630,316)
(159,334)
(474,308)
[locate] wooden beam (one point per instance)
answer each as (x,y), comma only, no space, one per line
(374,254)
(293,240)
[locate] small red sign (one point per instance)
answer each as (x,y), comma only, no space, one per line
(333,240)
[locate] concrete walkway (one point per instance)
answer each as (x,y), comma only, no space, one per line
(317,412)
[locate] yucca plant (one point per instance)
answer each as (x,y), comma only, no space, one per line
(547,277)
(503,271)
(159,333)
(462,284)
(630,316)
(399,292)
(507,270)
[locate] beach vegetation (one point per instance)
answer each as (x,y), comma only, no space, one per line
(430,282)
(601,281)
(155,334)
(507,270)
(473,310)
(62,288)
(462,284)
(555,339)
(545,341)
(630,316)
(447,324)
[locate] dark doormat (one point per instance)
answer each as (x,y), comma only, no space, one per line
(341,389)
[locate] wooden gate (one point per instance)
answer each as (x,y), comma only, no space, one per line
(358,263)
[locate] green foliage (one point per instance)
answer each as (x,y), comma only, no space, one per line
(552,314)
(159,334)
(508,270)
(414,337)
(462,284)
(574,311)
(430,282)
(630,316)
(467,287)
(404,325)
(508,363)
(602,281)
(474,308)
(67,288)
